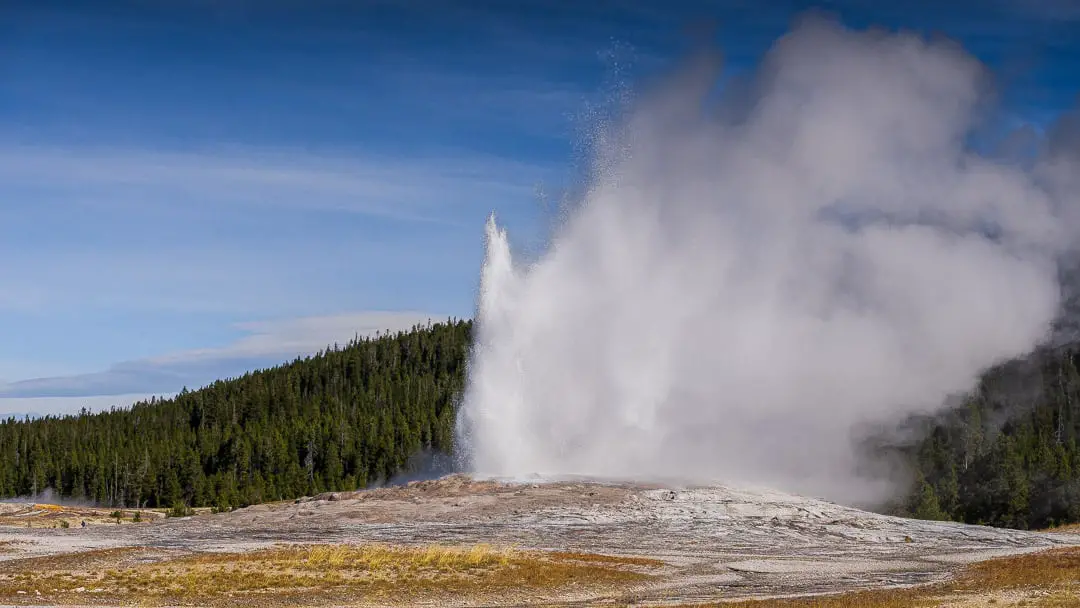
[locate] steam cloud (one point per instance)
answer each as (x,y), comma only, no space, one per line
(744,284)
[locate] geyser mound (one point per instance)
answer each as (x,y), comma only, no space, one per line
(742,285)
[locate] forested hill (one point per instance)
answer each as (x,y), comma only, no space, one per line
(340,419)
(351,416)
(1009,455)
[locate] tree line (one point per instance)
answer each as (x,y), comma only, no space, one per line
(1008,455)
(351,416)
(341,419)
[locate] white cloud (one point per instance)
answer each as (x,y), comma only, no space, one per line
(286,337)
(243,232)
(267,343)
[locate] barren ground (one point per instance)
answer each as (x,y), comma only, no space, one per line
(688,544)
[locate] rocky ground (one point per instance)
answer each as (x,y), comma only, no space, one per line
(716,543)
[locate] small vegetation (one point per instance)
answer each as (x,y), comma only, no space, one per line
(179,509)
(1066,529)
(1054,568)
(303,573)
(1050,579)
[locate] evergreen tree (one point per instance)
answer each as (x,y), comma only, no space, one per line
(1008,456)
(338,420)
(354,415)
(926,505)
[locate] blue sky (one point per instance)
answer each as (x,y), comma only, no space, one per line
(190,189)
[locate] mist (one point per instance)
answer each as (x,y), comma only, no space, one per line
(50,496)
(748,280)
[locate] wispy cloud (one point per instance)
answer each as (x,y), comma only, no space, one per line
(286,337)
(431,187)
(265,343)
(242,231)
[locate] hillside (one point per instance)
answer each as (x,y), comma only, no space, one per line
(1008,455)
(341,419)
(353,416)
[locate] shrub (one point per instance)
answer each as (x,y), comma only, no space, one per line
(180,509)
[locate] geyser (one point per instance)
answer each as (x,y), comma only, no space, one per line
(743,284)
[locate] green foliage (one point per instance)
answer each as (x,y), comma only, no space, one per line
(179,509)
(1008,456)
(338,420)
(137,517)
(351,416)
(64,524)
(927,505)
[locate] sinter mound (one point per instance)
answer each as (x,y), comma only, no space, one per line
(717,542)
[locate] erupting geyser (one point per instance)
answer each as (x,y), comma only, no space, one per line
(743,284)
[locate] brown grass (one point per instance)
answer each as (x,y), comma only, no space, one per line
(43,515)
(345,574)
(86,561)
(1066,529)
(1046,568)
(1049,579)
(311,574)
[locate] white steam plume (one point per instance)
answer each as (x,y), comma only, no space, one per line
(740,288)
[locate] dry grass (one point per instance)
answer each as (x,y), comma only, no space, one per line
(43,515)
(355,574)
(1066,529)
(85,562)
(1057,569)
(311,574)
(1049,579)
(8,546)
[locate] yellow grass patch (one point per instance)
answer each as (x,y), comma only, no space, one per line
(1053,568)
(1049,579)
(1066,529)
(43,515)
(311,574)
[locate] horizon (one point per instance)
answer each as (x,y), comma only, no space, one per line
(194,191)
